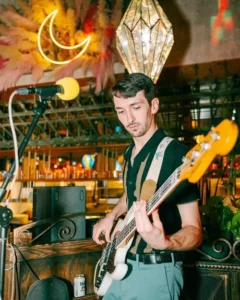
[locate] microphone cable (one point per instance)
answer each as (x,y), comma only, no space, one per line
(15,145)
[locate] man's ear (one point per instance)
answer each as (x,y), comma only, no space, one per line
(154,106)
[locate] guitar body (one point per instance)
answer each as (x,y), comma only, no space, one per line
(219,141)
(115,268)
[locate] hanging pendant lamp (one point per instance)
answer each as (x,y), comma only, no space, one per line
(144,38)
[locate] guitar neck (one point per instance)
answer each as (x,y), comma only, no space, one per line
(168,186)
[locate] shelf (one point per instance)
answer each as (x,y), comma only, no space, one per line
(110,188)
(69,180)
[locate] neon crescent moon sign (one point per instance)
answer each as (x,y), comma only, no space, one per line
(84,43)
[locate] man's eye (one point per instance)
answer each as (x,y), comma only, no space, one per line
(120,112)
(137,107)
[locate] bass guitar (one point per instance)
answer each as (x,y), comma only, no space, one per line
(112,266)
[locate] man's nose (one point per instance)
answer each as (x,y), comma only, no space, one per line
(130,117)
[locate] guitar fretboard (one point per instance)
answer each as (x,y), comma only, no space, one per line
(170,184)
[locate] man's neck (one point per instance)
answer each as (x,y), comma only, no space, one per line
(141,141)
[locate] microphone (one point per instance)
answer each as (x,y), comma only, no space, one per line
(66,88)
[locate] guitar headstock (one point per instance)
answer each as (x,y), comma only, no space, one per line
(219,141)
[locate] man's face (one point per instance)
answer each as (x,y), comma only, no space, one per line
(134,113)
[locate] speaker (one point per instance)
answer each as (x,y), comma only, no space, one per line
(53,202)
(202,284)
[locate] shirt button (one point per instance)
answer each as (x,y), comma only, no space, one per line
(130,182)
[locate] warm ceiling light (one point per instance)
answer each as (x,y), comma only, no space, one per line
(51,16)
(144,38)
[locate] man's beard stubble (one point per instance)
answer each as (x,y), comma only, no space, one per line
(139,133)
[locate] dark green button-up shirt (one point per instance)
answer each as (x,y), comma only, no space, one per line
(184,193)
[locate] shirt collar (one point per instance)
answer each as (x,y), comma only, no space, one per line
(150,145)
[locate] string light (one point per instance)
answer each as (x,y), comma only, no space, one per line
(233,114)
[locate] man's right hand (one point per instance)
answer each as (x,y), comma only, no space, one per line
(103,228)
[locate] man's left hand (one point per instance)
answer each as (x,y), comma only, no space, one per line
(153,233)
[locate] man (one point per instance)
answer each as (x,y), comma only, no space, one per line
(155,256)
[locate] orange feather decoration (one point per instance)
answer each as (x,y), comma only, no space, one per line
(19,53)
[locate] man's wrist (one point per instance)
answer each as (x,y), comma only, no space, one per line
(111,216)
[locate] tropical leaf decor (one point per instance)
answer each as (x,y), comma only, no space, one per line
(74,22)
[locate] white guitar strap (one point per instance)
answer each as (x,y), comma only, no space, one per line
(153,174)
(154,170)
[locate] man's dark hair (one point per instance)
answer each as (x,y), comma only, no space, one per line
(133,83)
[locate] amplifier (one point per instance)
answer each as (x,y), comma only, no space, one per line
(53,202)
(206,284)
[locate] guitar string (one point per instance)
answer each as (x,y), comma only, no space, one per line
(150,204)
(165,186)
(108,249)
(111,246)
(162,190)
(132,224)
(177,172)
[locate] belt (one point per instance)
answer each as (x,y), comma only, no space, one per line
(156,258)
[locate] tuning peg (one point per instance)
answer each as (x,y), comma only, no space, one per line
(214,136)
(205,146)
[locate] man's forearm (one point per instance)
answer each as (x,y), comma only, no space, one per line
(187,238)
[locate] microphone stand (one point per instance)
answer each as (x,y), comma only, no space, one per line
(5,213)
